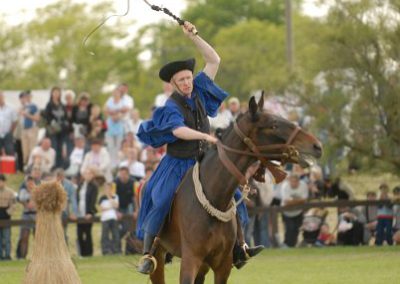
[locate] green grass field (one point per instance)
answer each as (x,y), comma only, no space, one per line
(308,265)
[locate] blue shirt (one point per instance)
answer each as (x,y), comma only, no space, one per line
(158,131)
(31,109)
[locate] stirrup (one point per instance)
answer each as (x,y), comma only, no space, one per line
(148,257)
(244,247)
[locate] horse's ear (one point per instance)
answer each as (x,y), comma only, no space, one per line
(261,101)
(253,108)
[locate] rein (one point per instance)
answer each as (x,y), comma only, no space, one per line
(287,153)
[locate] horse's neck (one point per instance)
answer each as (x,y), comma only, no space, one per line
(218,183)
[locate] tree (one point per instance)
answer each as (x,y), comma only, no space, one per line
(11,61)
(253,55)
(58,57)
(212,15)
(360,83)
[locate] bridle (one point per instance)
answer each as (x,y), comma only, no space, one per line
(282,152)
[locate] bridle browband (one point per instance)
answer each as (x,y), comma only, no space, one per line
(286,152)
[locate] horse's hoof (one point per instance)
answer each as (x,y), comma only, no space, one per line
(254,250)
(147,264)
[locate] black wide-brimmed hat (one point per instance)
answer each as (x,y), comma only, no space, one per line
(170,69)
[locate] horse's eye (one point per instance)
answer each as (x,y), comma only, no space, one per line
(274,127)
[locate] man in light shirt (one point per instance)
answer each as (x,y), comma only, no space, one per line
(128,105)
(294,191)
(29,116)
(98,159)
(163,97)
(43,156)
(8,122)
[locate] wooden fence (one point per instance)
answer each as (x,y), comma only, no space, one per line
(272,210)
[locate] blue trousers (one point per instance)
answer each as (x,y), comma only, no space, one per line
(160,192)
(384,231)
(5,242)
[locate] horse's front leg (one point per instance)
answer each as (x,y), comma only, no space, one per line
(223,270)
(157,277)
(201,275)
(190,266)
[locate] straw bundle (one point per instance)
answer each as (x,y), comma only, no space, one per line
(51,262)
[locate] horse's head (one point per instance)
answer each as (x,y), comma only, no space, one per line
(274,136)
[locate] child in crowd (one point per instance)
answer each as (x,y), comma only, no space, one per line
(109,204)
(385,219)
(29,213)
(396,215)
(325,237)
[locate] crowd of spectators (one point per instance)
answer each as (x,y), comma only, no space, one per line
(93,151)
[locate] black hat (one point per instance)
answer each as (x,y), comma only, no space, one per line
(170,69)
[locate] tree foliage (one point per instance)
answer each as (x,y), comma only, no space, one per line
(345,69)
(359,91)
(54,40)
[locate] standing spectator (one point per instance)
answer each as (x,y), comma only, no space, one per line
(57,124)
(223,118)
(8,122)
(7,206)
(258,226)
(163,97)
(115,110)
(29,116)
(136,168)
(385,219)
(125,188)
(294,191)
(234,107)
(370,214)
(396,215)
(109,225)
(18,147)
(98,159)
(69,102)
(95,115)
(136,120)
(28,214)
(71,210)
(86,196)
(81,116)
(97,130)
(43,156)
(76,158)
(128,104)
(265,195)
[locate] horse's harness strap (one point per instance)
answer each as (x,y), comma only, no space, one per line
(229,164)
(287,152)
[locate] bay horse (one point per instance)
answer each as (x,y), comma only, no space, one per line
(200,240)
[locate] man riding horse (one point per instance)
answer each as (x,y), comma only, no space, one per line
(183,125)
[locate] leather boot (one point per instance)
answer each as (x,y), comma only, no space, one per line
(147,263)
(242,253)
